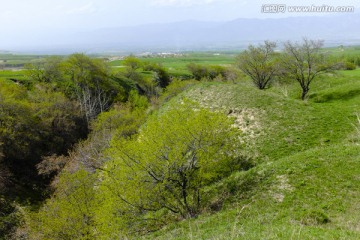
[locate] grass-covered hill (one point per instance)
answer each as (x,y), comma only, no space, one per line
(306,181)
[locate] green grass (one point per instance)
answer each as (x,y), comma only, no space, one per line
(12,74)
(19,75)
(345,50)
(306,184)
(349,53)
(286,124)
(310,195)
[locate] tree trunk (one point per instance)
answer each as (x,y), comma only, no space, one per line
(304,93)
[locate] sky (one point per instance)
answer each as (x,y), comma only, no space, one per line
(90,14)
(23,18)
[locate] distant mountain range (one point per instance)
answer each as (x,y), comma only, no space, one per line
(337,29)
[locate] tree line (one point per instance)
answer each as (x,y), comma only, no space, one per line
(301,62)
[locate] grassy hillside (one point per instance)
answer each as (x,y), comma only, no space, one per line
(306,181)
(310,195)
(293,175)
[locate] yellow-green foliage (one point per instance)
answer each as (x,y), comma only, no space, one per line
(32,124)
(174,88)
(151,178)
(69,214)
(165,167)
(28,118)
(75,205)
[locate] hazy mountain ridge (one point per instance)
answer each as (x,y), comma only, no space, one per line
(236,33)
(196,35)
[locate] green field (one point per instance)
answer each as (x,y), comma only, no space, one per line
(344,50)
(183,59)
(176,65)
(18,74)
(18,60)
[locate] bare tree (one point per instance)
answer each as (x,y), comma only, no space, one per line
(304,62)
(93,101)
(259,63)
(93,88)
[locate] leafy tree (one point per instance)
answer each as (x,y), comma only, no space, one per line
(126,84)
(76,209)
(305,62)
(124,121)
(132,62)
(19,127)
(215,71)
(62,123)
(137,101)
(354,59)
(80,77)
(133,75)
(142,84)
(162,77)
(47,71)
(349,66)
(207,72)
(8,219)
(167,165)
(259,63)
(198,71)
(69,214)
(92,85)
(33,123)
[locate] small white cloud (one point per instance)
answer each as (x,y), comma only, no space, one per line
(184,3)
(87,8)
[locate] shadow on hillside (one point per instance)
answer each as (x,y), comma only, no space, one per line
(333,96)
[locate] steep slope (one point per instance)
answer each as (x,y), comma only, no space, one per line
(306,183)
(310,195)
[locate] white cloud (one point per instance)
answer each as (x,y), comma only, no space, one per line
(185,3)
(84,9)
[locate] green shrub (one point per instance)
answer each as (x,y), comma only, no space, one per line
(198,71)
(164,169)
(349,66)
(70,213)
